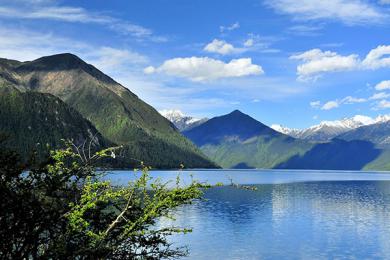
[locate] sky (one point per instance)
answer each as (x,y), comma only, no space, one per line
(289,62)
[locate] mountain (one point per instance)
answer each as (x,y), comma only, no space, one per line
(181,121)
(378,133)
(336,155)
(114,110)
(293,132)
(327,130)
(236,140)
(36,121)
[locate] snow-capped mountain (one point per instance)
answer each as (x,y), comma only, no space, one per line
(378,133)
(327,130)
(294,132)
(180,120)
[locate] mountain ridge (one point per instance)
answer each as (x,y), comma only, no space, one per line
(266,148)
(237,140)
(327,130)
(114,110)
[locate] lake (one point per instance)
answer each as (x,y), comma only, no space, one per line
(292,215)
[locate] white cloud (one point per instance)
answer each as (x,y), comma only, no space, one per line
(336,103)
(383,104)
(111,58)
(48,10)
(352,100)
(330,105)
(350,12)
(26,45)
(377,58)
(383,85)
(254,42)
(317,62)
(149,70)
(220,46)
(206,69)
(380,95)
(159,91)
(258,43)
(61,13)
(315,104)
(232,27)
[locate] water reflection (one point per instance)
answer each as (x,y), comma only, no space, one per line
(310,220)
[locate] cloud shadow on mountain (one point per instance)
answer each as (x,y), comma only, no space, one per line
(335,155)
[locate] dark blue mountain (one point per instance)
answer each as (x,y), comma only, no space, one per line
(235,125)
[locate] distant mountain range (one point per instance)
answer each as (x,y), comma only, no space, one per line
(378,133)
(62,97)
(236,140)
(181,121)
(112,110)
(327,130)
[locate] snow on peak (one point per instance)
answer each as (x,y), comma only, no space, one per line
(285,130)
(382,118)
(327,130)
(172,113)
(180,120)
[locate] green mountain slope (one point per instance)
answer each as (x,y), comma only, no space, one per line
(115,111)
(37,121)
(238,141)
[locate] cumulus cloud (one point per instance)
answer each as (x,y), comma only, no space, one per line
(380,95)
(377,58)
(383,85)
(220,46)
(336,103)
(383,104)
(206,69)
(254,43)
(350,12)
(330,105)
(317,62)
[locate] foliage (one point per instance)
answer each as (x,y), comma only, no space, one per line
(37,121)
(63,210)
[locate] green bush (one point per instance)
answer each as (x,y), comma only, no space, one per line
(62,210)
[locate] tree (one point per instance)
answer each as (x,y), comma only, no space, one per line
(62,209)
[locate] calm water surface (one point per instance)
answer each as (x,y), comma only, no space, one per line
(292,215)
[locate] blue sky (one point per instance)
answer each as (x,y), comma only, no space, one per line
(290,62)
